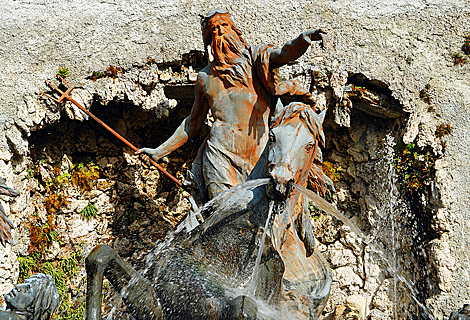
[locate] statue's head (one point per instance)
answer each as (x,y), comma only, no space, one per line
(221,34)
(35,299)
(225,45)
(296,132)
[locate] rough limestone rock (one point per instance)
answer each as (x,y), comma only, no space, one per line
(403,46)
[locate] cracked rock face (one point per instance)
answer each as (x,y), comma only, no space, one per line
(388,50)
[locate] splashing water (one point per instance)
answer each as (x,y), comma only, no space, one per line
(254,277)
(299,252)
(305,277)
(228,197)
(327,207)
(389,215)
(391,266)
(390,207)
(388,197)
(224,196)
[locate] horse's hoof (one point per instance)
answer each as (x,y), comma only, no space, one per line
(244,308)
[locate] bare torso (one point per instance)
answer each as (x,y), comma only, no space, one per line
(241,115)
(240,132)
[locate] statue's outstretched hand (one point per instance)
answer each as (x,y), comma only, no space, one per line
(315,35)
(154,153)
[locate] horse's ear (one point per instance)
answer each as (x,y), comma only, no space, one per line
(279,106)
(322,115)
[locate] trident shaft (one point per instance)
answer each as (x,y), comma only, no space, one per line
(66,96)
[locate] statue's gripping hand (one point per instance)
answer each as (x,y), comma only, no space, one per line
(154,153)
(315,35)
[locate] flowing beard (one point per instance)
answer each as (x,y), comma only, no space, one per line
(231,59)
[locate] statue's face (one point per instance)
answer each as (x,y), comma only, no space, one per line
(20,297)
(220,25)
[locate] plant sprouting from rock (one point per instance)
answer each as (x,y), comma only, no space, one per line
(415,165)
(42,235)
(62,271)
(84,175)
(54,202)
(89,211)
(466,45)
(63,72)
(334,173)
(459,59)
(359,91)
(314,211)
(111,72)
(151,60)
(443,130)
(95,75)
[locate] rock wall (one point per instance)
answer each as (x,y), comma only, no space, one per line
(400,56)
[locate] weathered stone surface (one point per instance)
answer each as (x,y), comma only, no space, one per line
(384,297)
(345,313)
(16,141)
(84,98)
(346,277)
(358,304)
(80,227)
(339,256)
(351,240)
(103,203)
(337,82)
(8,268)
(75,206)
(404,45)
(342,113)
(376,314)
(374,274)
(443,262)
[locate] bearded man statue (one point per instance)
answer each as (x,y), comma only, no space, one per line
(237,86)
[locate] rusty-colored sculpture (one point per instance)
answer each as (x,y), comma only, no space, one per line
(193,277)
(5,223)
(237,87)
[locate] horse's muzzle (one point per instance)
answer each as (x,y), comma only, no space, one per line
(279,191)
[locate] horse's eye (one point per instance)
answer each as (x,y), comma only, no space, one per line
(309,147)
(272,137)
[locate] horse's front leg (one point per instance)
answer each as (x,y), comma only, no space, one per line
(136,291)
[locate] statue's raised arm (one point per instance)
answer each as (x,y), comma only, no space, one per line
(237,86)
(296,48)
(187,129)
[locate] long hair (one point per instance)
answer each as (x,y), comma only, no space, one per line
(232,60)
(312,120)
(45,298)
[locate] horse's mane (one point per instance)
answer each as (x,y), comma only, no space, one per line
(310,118)
(318,181)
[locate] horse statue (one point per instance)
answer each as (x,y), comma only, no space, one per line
(208,272)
